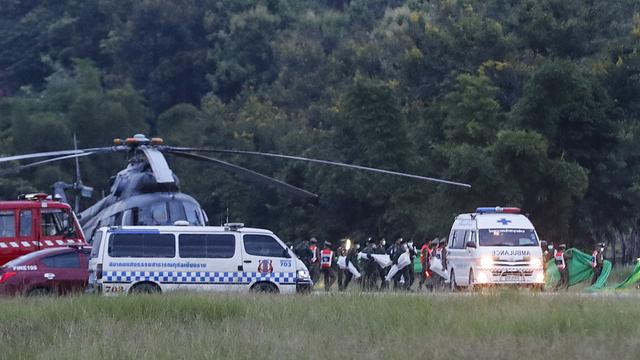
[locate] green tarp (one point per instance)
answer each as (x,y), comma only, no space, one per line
(417,265)
(632,279)
(579,265)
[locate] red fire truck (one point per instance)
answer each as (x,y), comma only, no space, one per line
(36,222)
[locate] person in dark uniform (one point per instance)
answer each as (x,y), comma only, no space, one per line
(314,268)
(380,249)
(370,275)
(303,253)
(561,258)
(397,249)
(597,261)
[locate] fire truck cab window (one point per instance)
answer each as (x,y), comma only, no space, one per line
(54,222)
(7,224)
(26,223)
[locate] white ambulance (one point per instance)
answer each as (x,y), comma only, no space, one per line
(145,259)
(494,246)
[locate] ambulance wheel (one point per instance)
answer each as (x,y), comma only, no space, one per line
(264,288)
(145,288)
(452,281)
(39,292)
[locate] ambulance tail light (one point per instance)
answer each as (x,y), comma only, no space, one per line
(6,276)
(99,271)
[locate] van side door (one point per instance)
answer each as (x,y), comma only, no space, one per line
(265,259)
(216,259)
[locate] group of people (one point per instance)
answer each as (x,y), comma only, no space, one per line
(561,258)
(378,266)
(375,265)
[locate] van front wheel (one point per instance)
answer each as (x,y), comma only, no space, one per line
(265,288)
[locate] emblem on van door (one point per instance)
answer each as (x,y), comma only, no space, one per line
(265,266)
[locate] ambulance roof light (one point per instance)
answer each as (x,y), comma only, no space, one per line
(233,226)
(498,210)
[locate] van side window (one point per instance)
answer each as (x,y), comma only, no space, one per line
(7,224)
(142,245)
(95,244)
(207,246)
(263,245)
(26,223)
(458,236)
(68,260)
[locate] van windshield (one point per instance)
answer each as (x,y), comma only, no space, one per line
(508,237)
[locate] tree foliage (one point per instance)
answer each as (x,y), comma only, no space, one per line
(535,103)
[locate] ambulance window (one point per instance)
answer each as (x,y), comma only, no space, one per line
(26,223)
(263,245)
(142,245)
(7,224)
(459,239)
(207,246)
(69,260)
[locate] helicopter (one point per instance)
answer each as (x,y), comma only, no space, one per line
(147,192)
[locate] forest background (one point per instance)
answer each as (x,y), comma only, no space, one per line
(536,103)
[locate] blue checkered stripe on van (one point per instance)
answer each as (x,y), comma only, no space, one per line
(199,277)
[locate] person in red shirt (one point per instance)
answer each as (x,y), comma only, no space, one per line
(327,265)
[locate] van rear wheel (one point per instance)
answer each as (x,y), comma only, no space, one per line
(145,288)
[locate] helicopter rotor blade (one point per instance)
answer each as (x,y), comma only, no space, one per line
(325,162)
(249,174)
(16,169)
(60,153)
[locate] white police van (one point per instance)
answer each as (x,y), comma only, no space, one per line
(146,259)
(495,246)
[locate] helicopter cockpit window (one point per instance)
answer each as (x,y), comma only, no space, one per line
(54,222)
(193,214)
(159,214)
(7,224)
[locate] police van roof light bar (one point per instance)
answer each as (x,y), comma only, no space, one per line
(233,226)
(498,210)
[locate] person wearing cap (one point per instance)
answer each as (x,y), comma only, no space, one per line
(395,251)
(560,258)
(597,261)
(380,249)
(328,265)
(314,268)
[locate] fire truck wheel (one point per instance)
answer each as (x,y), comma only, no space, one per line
(145,288)
(39,292)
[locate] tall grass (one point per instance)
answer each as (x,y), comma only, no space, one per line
(490,325)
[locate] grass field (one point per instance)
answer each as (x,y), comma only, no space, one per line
(503,324)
